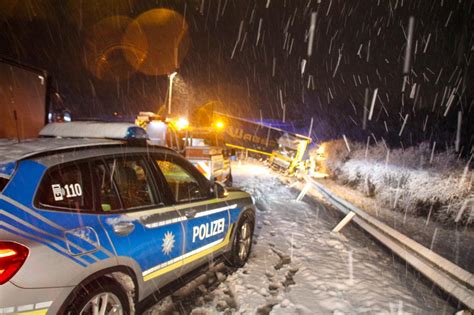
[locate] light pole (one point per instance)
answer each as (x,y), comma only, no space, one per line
(170,77)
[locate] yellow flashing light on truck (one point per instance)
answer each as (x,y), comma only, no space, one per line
(180,123)
(219,125)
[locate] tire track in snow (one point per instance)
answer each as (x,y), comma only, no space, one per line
(298,267)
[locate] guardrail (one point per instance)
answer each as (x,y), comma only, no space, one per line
(454,280)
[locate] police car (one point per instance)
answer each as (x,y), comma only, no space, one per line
(92,225)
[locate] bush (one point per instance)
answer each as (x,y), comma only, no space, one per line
(405,180)
(461,210)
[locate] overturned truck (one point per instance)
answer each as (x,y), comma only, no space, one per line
(285,150)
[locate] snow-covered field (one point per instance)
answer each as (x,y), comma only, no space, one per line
(298,266)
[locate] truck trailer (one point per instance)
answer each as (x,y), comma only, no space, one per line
(285,150)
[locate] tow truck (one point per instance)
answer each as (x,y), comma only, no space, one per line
(203,146)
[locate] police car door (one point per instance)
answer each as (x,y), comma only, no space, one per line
(206,218)
(140,224)
(65,204)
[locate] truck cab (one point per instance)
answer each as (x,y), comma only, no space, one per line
(290,152)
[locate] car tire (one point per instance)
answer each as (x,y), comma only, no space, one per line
(242,241)
(97,292)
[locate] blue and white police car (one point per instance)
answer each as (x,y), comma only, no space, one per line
(93,225)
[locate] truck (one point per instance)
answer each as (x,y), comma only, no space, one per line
(285,150)
(202,145)
(205,148)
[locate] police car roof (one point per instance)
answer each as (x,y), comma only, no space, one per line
(11,151)
(94,129)
(69,137)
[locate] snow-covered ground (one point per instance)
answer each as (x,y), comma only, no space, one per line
(298,266)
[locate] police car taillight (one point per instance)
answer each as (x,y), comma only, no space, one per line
(12,257)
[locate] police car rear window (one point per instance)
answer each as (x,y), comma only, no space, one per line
(66,187)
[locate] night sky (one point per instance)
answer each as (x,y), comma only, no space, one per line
(253,57)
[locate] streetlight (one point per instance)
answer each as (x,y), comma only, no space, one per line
(171,77)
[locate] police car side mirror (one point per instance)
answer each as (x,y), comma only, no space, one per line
(219,190)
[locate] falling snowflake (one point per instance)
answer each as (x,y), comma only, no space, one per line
(168,243)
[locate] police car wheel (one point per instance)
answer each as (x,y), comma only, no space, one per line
(242,243)
(101,298)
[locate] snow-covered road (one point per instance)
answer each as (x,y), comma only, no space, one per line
(298,266)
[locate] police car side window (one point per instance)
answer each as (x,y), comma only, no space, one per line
(66,187)
(184,186)
(131,176)
(106,195)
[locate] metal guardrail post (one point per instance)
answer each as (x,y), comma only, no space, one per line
(344,222)
(304,191)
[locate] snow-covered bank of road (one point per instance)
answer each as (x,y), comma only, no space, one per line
(298,267)
(453,242)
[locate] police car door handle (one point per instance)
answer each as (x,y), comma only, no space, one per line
(123,228)
(190,213)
